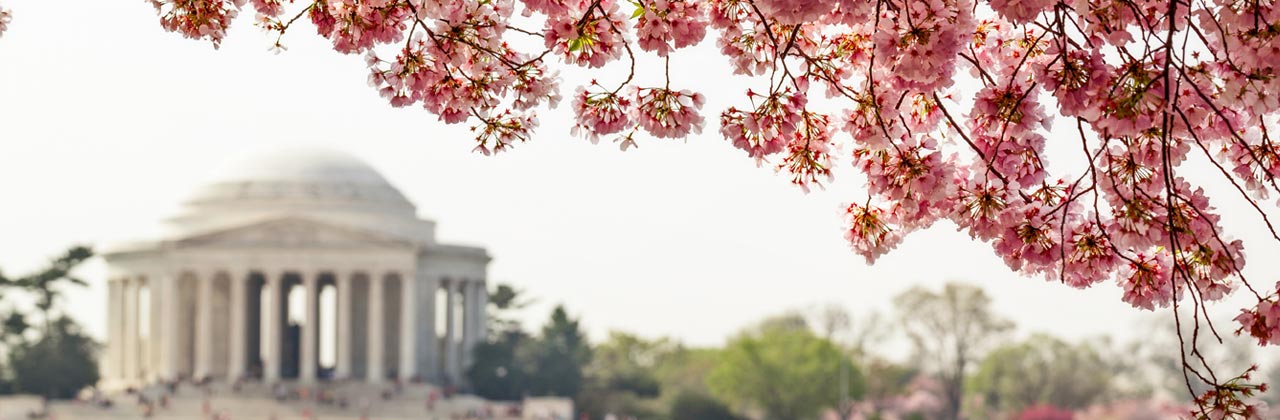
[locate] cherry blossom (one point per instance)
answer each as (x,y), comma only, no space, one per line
(5,18)
(665,25)
(667,113)
(601,113)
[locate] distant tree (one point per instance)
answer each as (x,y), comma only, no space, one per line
(558,357)
(783,369)
(885,379)
(621,377)
(15,328)
(1229,357)
(44,284)
(697,406)
(496,373)
(1044,370)
(684,370)
(58,365)
(950,330)
(72,368)
(503,300)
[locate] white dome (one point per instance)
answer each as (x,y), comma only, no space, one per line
(320,184)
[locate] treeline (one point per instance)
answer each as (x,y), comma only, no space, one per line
(42,350)
(959,360)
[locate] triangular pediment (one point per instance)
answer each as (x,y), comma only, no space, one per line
(292,233)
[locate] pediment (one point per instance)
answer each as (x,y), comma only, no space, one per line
(292,233)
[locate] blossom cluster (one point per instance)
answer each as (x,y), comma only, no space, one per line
(666,25)
(5,17)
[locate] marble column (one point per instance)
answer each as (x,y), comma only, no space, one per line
(408,325)
(273,328)
(450,329)
(156,337)
(129,337)
(377,338)
(468,321)
(204,325)
(482,311)
(170,307)
(428,361)
(238,330)
(342,366)
(113,367)
(310,328)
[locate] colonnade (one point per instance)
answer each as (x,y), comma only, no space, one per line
(223,324)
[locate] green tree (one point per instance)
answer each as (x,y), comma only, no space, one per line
(689,405)
(45,283)
(496,373)
(503,300)
(621,377)
(45,286)
(58,365)
(556,360)
(885,379)
(782,369)
(950,330)
(1044,370)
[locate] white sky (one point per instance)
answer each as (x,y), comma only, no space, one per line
(107,122)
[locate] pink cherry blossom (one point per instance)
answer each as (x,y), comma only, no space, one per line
(665,25)
(5,18)
(1020,11)
(667,113)
(794,12)
(601,113)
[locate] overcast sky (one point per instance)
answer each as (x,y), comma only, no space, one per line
(107,122)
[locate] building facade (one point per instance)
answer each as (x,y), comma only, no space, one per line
(238,285)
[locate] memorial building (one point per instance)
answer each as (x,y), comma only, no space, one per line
(298,265)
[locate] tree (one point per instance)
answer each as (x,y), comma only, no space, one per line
(1045,370)
(556,360)
(76,365)
(496,372)
(950,330)
(696,406)
(783,369)
(45,283)
(1146,88)
(621,377)
(58,365)
(503,300)
(885,379)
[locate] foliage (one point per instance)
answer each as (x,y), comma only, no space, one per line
(1044,370)
(75,365)
(885,379)
(783,369)
(697,406)
(950,330)
(621,376)
(45,282)
(556,360)
(58,365)
(512,365)
(503,300)
(495,372)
